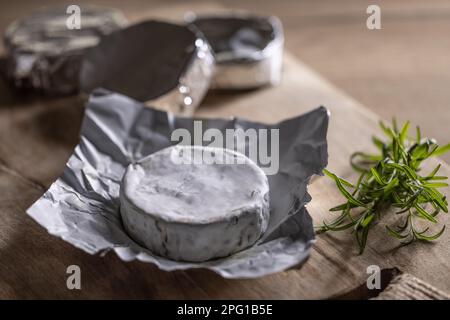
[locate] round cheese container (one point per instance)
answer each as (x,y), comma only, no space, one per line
(248,48)
(44,50)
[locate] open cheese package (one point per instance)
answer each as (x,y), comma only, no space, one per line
(83,205)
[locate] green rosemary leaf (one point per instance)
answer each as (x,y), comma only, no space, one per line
(394,125)
(423,213)
(437,198)
(358,183)
(433,173)
(362,163)
(403,227)
(378,143)
(435,178)
(364,235)
(405,209)
(441,150)
(410,172)
(338,223)
(387,131)
(404,132)
(396,197)
(418,135)
(396,234)
(430,238)
(340,207)
(377,176)
(420,151)
(344,192)
(342,181)
(367,220)
(390,186)
(340,228)
(411,240)
(391,178)
(423,231)
(394,166)
(435,185)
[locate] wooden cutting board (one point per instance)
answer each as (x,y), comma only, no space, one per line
(38,135)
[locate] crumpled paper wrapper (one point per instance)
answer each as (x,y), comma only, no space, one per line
(82,206)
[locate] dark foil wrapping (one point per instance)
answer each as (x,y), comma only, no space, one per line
(43,54)
(165,65)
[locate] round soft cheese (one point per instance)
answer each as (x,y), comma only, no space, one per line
(192,203)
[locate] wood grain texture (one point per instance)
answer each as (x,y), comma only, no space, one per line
(37,136)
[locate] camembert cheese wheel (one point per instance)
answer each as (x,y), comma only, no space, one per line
(193,203)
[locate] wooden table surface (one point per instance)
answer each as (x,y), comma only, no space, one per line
(37,135)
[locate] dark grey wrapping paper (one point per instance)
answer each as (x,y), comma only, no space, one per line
(160,63)
(43,54)
(82,206)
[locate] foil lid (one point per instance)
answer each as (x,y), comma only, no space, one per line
(248,48)
(82,205)
(165,65)
(44,54)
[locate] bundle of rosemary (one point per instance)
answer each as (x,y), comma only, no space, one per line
(392,178)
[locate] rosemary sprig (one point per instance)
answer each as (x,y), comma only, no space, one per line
(391,178)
